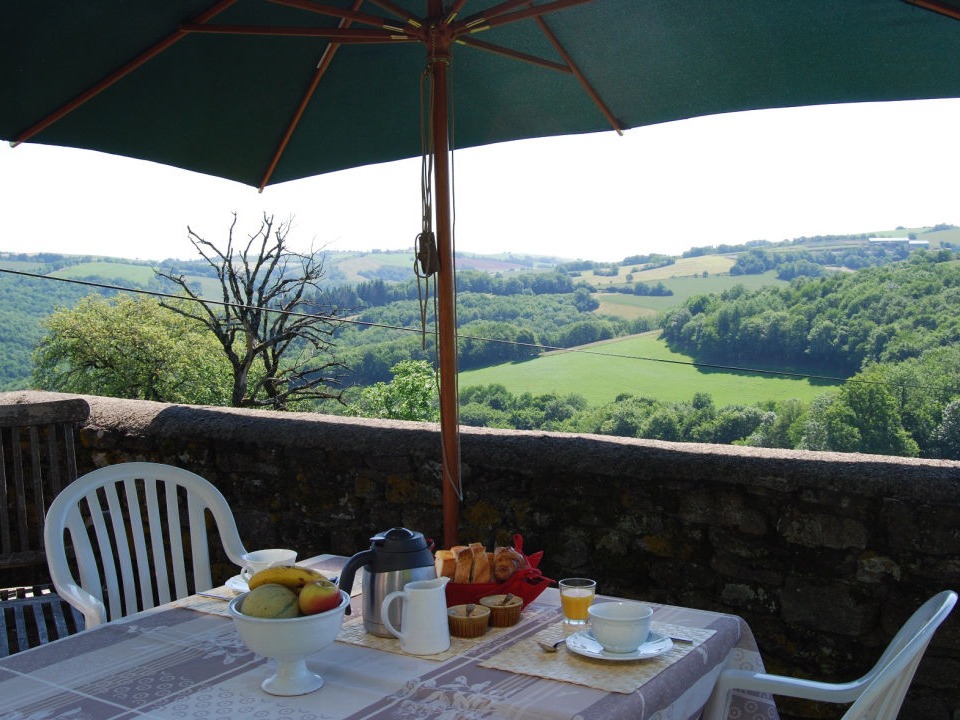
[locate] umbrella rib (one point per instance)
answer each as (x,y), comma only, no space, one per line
(507,52)
(480,18)
(321,70)
(455,10)
(594,95)
(937,7)
(487,20)
(397,11)
(341,35)
(342,14)
(117,75)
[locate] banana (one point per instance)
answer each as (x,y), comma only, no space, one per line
(292,577)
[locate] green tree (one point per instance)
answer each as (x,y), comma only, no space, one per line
(731,423)
(774,428)
(130,347)
(878,419)
(946,438)
(584,301)
(830,425)
(663,424)
(411,395)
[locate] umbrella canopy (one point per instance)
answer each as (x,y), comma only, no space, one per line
(222,103)
(262,91)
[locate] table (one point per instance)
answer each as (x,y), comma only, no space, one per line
(174,662)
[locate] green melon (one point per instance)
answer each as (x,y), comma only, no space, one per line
(271,601)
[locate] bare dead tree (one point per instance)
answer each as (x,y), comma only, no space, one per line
(278,345)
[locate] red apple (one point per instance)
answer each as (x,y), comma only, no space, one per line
(319,596)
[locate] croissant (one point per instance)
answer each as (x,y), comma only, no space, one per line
(506,561)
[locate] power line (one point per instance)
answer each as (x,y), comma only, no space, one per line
(386,326)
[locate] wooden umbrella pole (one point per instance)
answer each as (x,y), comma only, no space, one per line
(439,57)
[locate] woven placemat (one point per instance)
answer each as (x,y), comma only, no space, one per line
(206,604)
(527,657)
(353,632)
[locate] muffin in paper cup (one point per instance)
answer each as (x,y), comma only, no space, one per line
(468,626)
(503,614)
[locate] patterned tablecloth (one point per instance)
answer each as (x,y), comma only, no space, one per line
(185,660)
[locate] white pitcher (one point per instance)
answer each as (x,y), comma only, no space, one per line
(423,617)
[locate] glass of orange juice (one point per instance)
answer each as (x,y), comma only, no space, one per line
(576,595)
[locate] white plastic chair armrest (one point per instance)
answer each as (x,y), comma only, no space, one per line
(716,708)
(94,611)
(790,686)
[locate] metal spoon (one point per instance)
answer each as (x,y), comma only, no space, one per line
(552,647)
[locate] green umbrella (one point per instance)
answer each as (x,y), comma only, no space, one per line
(265,91)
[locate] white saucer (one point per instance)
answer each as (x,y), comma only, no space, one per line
(237,584)
(584,643)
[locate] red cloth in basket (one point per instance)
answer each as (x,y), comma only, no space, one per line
(526,583)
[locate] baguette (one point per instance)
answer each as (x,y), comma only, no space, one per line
(444,563)
(481,565)
(464,564)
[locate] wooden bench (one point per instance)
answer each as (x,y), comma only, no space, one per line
(37,459)
(34,616)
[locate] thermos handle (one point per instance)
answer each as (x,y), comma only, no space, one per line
(350,570)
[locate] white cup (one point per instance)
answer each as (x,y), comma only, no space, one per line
(621,627)
(254,562)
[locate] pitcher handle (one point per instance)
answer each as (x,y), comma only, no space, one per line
(385,614)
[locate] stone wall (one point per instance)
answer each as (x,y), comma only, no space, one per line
(824,554)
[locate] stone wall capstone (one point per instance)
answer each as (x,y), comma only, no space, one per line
(824,554)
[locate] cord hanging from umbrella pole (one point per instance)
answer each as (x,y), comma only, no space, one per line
(426,264)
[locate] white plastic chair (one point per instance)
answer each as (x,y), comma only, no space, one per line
(877,695)
(124,525)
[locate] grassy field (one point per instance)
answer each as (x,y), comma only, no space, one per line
(133,276)
(634,306)
(683,267)
(139,274)
(21,265)
(940,236)
(641,365)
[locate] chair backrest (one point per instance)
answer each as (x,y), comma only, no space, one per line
(882,698)
(911,641)
(37,459)
(133,527)
(918,624)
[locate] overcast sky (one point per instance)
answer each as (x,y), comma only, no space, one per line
(773,175)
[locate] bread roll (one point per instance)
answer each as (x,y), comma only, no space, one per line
(506,561)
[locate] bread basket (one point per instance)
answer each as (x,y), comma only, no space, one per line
(527,583)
